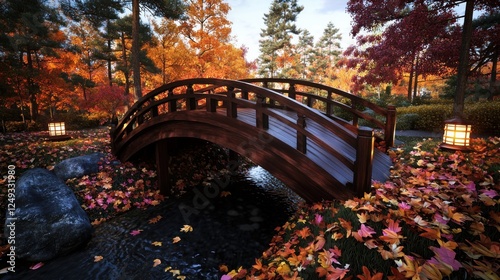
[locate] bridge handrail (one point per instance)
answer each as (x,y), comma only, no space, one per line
(388,114)
(148,104)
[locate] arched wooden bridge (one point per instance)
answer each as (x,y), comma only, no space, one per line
(292,128)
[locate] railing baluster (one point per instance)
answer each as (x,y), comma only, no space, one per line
(190,99)
(154,110)
(292,92)
(172,104)
(244,95)
(301,137)
(355,119)
(364,161)
(329,106)
(231,106)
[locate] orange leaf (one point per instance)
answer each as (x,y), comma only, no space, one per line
(156,262)
(431,233)
(368,276)
(257,265)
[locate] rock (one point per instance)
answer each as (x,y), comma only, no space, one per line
(78,166)
(48,220)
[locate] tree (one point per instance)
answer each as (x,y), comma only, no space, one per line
(101,14)
(276,37)
(328,52)
(163,8)
(419,35)
(30,34)
(123,27)
(168,52)
(486,48)
(306,52)
(208,33)
(85,40)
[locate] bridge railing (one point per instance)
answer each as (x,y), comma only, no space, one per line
(337,104)
(213,94)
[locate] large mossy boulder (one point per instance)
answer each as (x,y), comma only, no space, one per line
(48,220)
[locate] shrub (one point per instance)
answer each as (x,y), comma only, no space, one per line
(19,126)
(406,121)
(485,117)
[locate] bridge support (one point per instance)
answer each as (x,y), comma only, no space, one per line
(364,161)
(162,163)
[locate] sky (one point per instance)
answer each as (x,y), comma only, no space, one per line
(247,17)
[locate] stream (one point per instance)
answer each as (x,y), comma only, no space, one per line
(231,230)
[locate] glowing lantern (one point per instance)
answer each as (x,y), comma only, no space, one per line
(57,131)
(456,134)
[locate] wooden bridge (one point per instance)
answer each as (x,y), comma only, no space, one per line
(306,134)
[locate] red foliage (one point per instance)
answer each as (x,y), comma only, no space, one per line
(108,100)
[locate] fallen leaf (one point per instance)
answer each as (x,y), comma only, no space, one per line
(156,262)
(176,239)
(98,258)
(37,266)
(157,243)
(187,228)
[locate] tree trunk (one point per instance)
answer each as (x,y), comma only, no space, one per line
(110,74)
(136,63)
(410,82)
(415,86)
(493,77)
(463,65)
(31,88)
(125,67)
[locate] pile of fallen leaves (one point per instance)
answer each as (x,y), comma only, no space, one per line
(438,216)
(118,186)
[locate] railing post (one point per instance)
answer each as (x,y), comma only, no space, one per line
(301,137)
(390,126)
(191,100)
(262,120)
(232,110)
(364,161)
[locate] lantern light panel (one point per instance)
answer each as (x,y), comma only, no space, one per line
(57,129)
(457,134)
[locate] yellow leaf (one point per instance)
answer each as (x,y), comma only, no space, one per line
(157,243)
(175,272)
(98,258)
(187,228)
(167,268)
(363,217)
(176,239)
(283,269)
(156,262)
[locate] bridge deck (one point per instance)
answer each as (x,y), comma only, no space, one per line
(381,161)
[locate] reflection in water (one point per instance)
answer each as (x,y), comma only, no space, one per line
(232,230)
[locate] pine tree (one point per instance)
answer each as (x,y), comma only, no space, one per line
(29,29)
(327,52)
(276,37)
